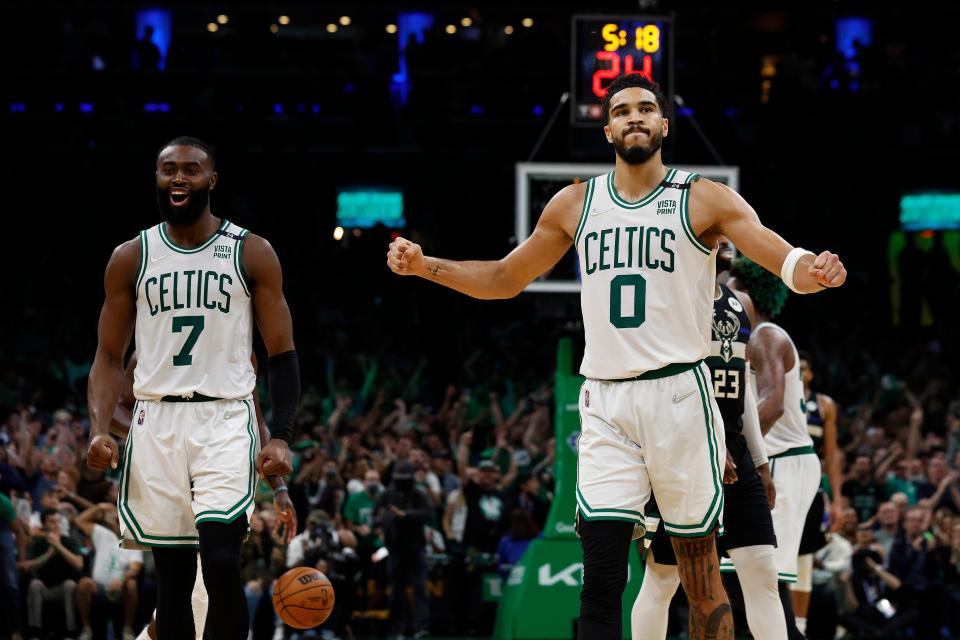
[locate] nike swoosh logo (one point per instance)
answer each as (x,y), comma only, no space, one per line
(158,258)
(597,212)
(677,398)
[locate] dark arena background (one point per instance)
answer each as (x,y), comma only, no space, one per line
(338,127)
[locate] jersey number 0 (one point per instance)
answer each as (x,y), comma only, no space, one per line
(617,285)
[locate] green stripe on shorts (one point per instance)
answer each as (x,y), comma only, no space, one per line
(712,516)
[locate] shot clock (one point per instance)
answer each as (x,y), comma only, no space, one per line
(607,46)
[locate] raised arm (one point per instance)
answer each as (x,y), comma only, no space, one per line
(507,277)
(718,209)
(272,314)
(770,357)
(114,332)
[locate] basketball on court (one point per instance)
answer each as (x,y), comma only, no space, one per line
(303,598)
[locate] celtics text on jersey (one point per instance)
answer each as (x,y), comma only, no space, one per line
(194,327)
(647,280)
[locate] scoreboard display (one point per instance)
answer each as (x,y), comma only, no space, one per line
(607,46)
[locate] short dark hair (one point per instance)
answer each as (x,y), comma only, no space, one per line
(46,513)
(766,290)
(805,355)
(190,141)
(627,81)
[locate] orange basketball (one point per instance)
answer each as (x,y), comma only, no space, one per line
(303,598)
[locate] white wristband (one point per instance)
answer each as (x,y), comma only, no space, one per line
(790,265)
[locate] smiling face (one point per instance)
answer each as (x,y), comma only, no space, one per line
(636,126)
(185,176)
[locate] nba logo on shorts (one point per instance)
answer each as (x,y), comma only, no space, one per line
(143,414)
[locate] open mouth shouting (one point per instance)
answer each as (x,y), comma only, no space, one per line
(179,196)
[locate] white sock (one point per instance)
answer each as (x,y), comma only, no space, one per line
(801,624)
(758,580)
(648,618)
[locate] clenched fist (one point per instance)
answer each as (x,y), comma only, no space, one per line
(103,451)
(827,270)
(405,258)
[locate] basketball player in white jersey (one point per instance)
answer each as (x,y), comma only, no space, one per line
(286,521)
(191,288)
(794,465)
(821,413)
(646,237)
(748,541)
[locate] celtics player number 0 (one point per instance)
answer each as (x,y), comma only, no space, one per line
(195,323)
(639,286)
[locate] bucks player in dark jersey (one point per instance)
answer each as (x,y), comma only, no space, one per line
(821,413)
(749,538)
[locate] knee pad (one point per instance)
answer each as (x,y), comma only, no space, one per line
(804,574)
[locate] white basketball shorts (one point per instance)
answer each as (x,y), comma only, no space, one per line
(660,433)
(186,463)
(796,476)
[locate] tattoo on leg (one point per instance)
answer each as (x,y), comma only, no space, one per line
(710,614)
(717,625)
(696,559)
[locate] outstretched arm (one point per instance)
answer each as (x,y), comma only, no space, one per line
(770,357)
(115,330)
(718,209)
(507,277)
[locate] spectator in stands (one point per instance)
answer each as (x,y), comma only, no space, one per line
(55,562)
(951,563)
(114,576)
(940,488)
(902,503)
(887,526)
(12,530)
(515,541)
(43,479)
(424,476)
(402,511)
(864,494)
(484,495)
(872,591)
(49,501)
(66,488)
(443,468)
(832,566)
(455,517)
(916,564)
(94,485)
(358,512)
(952,421)
(528,499)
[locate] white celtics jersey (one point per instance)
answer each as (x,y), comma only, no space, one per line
(647,280)
(790,430)
(194,331)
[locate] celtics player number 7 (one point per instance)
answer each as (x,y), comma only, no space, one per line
(646,238)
